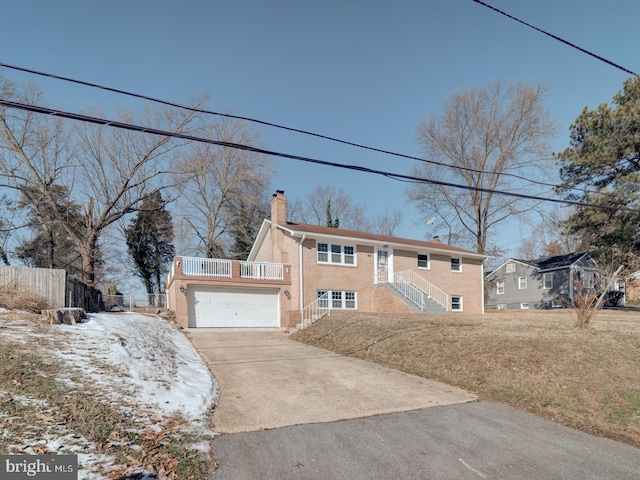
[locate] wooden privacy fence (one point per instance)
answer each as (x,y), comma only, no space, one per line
(55,285)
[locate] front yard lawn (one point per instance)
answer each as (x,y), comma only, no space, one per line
(536,361)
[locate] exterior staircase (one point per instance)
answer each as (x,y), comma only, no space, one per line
(419,294)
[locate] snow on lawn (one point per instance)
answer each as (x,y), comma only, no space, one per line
(138,362)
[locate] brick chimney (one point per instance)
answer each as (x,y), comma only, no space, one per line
(278,208)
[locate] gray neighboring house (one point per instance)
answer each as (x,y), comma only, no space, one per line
(547,282)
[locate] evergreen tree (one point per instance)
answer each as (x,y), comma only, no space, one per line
(330,221)
(149,239)
(50,245)
(602,167)
(244,229)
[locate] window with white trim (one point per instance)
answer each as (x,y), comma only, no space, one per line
(423,261)
(456,264)
(502,306)
(456,303)
(510,267)
(522,283)
(500,287)
(334,253)
(524,306)
(547,280)
(337,299)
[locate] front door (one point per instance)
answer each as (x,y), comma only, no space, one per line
(383,266)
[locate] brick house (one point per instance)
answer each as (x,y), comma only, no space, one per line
(298,272)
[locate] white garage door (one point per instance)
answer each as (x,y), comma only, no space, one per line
(233,307)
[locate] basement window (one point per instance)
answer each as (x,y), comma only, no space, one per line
(456,304)
(337,299)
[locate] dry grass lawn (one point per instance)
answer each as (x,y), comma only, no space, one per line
(536,361)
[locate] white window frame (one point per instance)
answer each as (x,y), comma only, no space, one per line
(500,287)
(522,285)
(459,302)
(456,267)
(547,278)
(524,306)
(556,303)
(338,299)
(502,306)
(510,267)
(336,254)
(428,261)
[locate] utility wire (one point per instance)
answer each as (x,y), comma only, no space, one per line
(391,175)
(270,124)
(559,39)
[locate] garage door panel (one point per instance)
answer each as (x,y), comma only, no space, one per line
(229,307)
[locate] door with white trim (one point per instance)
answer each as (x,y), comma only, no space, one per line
(382,266)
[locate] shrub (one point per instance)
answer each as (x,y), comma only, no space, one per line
(13,298)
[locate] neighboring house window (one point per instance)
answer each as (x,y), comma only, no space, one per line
(589,279)
(456,303)
(524,306)
(500,287)
(556,303)
(340,254)
(548,281)
(502,306)
(423,261)
(337,299)
(510,267)
(522,283)
(456,264)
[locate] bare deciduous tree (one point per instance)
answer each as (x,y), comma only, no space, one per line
(482,135)
(550,236)
(352,215)
(106,170)
(216,184)
(387,223)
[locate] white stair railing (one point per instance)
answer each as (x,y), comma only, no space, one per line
(409,291)
(409,277)
(315,310)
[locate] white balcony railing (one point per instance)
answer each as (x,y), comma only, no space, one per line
(262,270)
(206,267)
(214,267)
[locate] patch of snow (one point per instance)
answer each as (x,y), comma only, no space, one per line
(140,363)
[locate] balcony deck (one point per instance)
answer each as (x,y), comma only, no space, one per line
(228,271)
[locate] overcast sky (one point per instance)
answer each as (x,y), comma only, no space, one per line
(364,71)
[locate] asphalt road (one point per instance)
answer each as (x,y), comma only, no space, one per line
(467,441)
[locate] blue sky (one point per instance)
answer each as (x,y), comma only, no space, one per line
(368,72)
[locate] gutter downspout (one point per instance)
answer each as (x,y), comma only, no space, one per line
(301,273)
(483,286)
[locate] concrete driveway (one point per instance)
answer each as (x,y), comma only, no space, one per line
(268,381)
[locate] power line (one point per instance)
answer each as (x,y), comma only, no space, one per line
(270,124)
(559,39)
(359,168)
